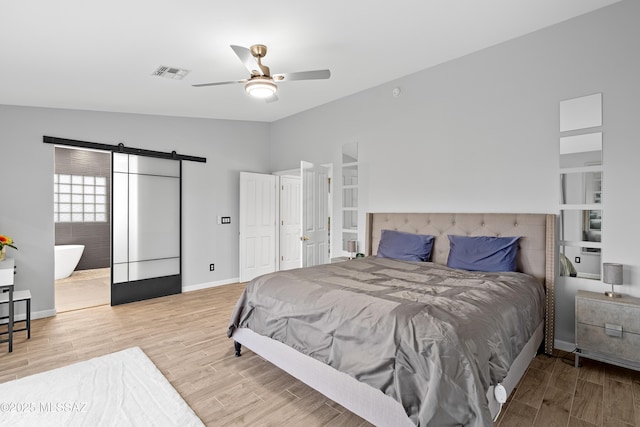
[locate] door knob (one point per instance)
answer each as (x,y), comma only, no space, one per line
(304,238)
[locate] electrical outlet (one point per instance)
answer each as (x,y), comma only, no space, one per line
(577,260)
(212,267)
(226,219)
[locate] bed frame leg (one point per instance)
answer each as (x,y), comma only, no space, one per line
(238,348)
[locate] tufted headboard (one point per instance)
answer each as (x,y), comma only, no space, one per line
(536,254)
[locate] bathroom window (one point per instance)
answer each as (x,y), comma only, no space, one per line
(79,198)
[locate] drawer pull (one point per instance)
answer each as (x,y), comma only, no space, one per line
(613,330)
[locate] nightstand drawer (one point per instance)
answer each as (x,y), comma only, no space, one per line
(616,312)
(593,338)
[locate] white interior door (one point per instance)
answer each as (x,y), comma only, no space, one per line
(315,214)
(290,228)
(257,222)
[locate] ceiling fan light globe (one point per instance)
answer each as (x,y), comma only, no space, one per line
(260,88)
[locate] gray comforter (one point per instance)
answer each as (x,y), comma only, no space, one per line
(431,337)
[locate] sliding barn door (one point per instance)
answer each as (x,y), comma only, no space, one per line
(146,235)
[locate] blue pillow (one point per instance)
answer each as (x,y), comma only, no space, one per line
(483,253)
(405,246)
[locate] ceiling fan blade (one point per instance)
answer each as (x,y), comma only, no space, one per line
(220,83)
(272,98)
(249,61)
(302,75)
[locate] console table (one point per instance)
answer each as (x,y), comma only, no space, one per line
(6,285)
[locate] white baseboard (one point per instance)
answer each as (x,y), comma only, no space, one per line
(210,284)
(34,315)
(564,345)
(42,314)
(52,312)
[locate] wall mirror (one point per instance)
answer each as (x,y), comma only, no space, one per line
(349,194)
(350,220)
(580,246)
(350,152)
(350,174)
(346,237)
(577,261)
(581,226)
(350,197)
(581,113)
(581,150)
(581,187)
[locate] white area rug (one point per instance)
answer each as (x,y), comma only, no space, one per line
(119,389)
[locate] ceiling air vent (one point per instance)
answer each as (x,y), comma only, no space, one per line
(170,72)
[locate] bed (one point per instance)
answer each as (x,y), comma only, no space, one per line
(382,354)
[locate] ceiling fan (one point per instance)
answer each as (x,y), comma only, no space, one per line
(262,84)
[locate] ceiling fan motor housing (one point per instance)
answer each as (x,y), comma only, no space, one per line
(258,50)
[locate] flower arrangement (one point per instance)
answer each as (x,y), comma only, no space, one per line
(4,242)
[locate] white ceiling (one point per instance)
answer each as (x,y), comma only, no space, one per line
(99,55)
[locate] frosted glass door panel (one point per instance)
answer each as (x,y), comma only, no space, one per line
(120,272)
(120,162)
(155,268)
(154,222)
(120,217)
(153,166)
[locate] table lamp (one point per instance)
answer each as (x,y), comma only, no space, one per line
(612,274)
(352,247)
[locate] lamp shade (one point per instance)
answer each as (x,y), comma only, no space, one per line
(612,273)
(352,246)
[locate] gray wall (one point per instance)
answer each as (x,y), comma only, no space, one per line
(209,189)
(476,134)
(95,236)
(481,134)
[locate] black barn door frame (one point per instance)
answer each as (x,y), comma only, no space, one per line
(146,288)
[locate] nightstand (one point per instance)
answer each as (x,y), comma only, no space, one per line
(608,329)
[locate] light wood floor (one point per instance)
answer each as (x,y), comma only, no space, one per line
(185,336)
(84,288)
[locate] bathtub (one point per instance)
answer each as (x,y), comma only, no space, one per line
(66,259)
